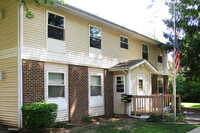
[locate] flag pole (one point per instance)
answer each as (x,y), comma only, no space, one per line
(174,91)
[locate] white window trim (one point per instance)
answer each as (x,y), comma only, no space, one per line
(116,83)
(59,85)
(52,39)
(90,25)
(123,42)
(102,89)
(158,86)
(142,50)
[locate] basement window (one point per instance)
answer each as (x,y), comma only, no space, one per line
(123,42)
(55,26)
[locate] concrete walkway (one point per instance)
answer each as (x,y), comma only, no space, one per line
(196,130)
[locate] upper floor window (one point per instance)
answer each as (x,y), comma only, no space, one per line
(119,83)
(159,55)
(123,42)
(55,26)
(95,37)
(145,51)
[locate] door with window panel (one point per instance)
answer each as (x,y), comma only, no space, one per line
(96,90)
(141,85)
(56,89)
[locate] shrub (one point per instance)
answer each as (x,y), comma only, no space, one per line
(154,118)
(86,119)
(170,118)
(39,116)
(181,118)
(62,125)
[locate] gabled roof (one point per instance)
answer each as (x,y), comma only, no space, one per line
(131,64)
(66,8)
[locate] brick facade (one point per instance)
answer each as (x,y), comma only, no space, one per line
(108,93)
(154,79)
(78,92)
(33,81)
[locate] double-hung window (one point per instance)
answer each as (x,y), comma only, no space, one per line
(56,85)
(95,37)
(119,83)
(95,85)
(160,85)
(145,51)
(159,55)
(123,42)
(55,26)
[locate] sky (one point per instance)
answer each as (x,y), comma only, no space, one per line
(132,14)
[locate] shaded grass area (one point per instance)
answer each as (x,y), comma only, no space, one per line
(190,105)
(138,127)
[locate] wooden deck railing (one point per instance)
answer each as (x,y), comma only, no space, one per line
(154,104)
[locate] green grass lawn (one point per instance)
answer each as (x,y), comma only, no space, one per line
(190,105)
(139,127)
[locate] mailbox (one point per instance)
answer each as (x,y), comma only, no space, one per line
(126,98)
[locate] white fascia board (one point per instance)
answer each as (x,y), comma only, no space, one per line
(145,62)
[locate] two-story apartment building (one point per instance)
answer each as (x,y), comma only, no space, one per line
(73,58)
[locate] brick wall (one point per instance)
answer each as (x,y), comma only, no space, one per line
(33,81)
(154,79)
(108,93)
(166,86)
(78,92)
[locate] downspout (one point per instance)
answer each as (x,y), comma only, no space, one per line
(20,42)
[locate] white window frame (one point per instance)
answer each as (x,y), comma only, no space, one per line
(96,74)
(123,42)
(147,49)
(160,55)
(94,37)
(55,85)
(160,86)
(52,39)
(117,84)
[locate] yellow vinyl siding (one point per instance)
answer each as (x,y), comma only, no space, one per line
(77,41)
(8,63)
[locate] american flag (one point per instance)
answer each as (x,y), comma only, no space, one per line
(177,54)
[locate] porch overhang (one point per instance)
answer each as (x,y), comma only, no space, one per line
(131,64)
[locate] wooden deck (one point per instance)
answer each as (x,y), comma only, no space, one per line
(154,104)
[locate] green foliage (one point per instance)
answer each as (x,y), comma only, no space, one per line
(62,125)
(188,89)
(37,3)
(86,119)
(154,118)
(188,26)
(181,118)
(169,118)
(39,116)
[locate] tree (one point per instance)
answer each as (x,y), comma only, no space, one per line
(188,26)
(37,3)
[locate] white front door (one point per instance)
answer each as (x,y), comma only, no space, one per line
(96,94)
(141,84)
